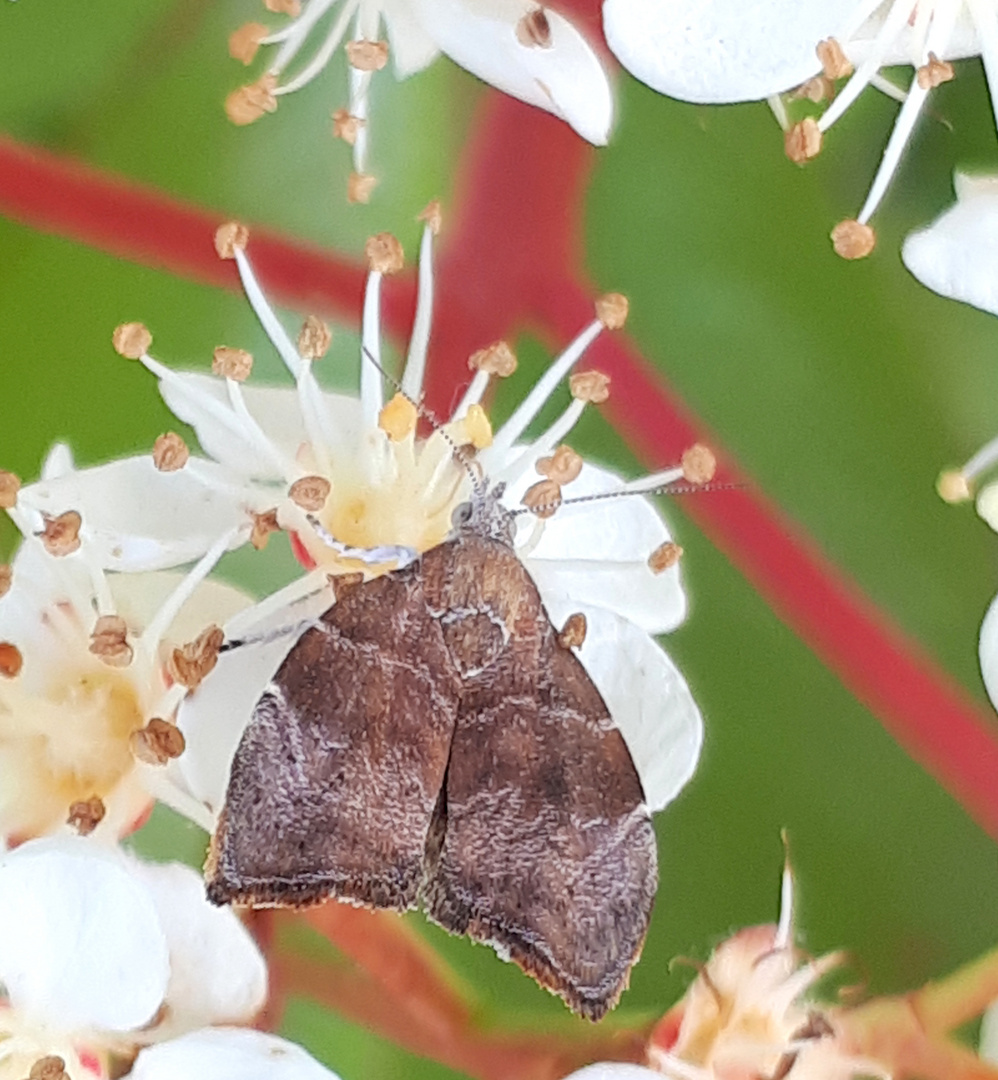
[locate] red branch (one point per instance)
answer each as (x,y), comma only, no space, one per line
(511,260)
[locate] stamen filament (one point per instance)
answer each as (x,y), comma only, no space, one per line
(236,420)
(891,89)
(300,589)
(473,395)
(326,50)
(169,701)
(265,313)
(161,786)
(160,623)
(318,425)
(255,433)
(366,29)
(415,364)
(889,31)
(895,147)
(543,389)
(779,110)
(983,459)
(656,480)
(297,33)
(371,392)
(785,928)
(544,444)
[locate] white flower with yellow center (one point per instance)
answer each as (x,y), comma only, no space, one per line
(90,669)
(359,490)
(103,957)
(519,46)
(725,51)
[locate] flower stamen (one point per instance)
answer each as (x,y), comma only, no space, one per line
(86,814)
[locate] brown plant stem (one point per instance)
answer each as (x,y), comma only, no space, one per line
(399,988)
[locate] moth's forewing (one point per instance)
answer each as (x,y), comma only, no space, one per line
(543,845)
(334,783)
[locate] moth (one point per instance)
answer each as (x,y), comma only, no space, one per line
(430,743)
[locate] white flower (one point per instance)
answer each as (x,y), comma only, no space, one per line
(101,954)
(86,701)
(359,490)
(723,50)
(519,46)
(228,1054)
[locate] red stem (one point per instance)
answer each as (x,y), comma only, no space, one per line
(520,204)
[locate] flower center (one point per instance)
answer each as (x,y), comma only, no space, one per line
(64,735)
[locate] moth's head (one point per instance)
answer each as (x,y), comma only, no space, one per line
(484,515)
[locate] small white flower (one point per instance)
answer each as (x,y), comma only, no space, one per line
(522,48)
(86,701)
(727,51)
(101,954)
(359,490)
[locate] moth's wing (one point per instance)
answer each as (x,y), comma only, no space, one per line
(543,846)
(334,783)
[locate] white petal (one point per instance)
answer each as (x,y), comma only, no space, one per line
(988,651)
(412,49)
(714,51)
(138,518)
(654,602)
(190,395)
(614,1070)
(137,598)
(39,582)
(647,697)
(228,1054)
(565,78)
(621,529)
(597,553)
(217,974)
(987,505)
(214,718)
(988,1045)
(80,939)
(907,48)
(58,462)
(957,255)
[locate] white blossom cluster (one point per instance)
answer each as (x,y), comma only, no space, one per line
(114,690)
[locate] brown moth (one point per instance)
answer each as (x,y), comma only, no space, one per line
(430,743)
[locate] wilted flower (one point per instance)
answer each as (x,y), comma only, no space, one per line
(88,671)
(746,1015)
(360,491)
(101,955)
(726,51)
(519,46)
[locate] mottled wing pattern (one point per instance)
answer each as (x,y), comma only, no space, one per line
(334,783)
(542,846)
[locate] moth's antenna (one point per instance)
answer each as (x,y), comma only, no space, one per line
(468,464)
(676,487)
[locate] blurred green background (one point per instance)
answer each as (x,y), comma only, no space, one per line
(841,388)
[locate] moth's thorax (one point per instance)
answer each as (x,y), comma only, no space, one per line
(489,518)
